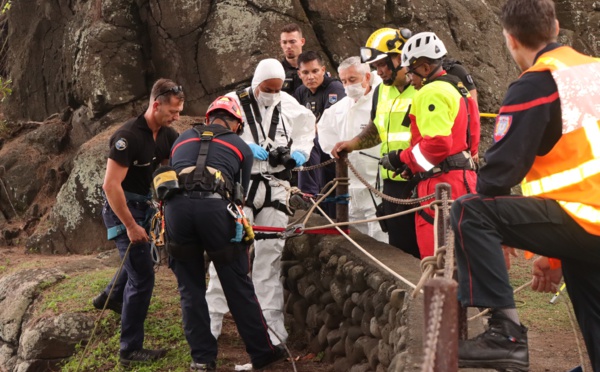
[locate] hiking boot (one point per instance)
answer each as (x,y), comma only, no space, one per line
(140,356)
(113,305)
(503,346)
(278,354)
(212,366)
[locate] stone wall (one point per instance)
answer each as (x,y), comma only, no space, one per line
(340,303)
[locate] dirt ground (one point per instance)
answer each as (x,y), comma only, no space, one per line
(551,350)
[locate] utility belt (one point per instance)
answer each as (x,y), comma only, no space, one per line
(200,194)
(460,161)
(212,184)
(257,179)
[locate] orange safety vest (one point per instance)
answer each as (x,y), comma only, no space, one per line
(570,172)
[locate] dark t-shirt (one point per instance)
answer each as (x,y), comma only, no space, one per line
(292,79)
(227,153)
(327,94)
(134,147)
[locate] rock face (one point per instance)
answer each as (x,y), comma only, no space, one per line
(79,67)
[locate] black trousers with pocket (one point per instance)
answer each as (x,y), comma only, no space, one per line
(204,224)
(482,223)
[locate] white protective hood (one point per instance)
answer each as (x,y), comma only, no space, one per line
(298,120)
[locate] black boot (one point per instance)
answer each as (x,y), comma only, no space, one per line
(503,347)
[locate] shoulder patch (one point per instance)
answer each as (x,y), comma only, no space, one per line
(332,98)
(503,123)
(121,144)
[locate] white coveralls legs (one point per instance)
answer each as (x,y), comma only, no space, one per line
(266,273)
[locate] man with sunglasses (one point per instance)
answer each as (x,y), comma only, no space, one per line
(389,126)
(136,149)
(443,131)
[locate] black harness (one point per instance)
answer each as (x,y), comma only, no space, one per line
(204,179)
(254,120)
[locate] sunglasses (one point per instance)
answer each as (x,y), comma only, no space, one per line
(175,90)
(412,69)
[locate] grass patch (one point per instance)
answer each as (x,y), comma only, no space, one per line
(163,327)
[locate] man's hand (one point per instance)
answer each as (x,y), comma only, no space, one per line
(508,251)
(545,279)
(137,234)
(347,146)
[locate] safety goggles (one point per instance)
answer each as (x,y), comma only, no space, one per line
(368,55)
(175,90)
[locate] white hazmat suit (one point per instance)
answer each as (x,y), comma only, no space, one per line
(295,122)
(343,121)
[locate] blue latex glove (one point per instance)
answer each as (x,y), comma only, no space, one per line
(258,152)
(299,158)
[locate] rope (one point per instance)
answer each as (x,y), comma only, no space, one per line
(384,196)
(486,311)
(375,260)
(433,330)
(572,321)
(103,308)
(312,167)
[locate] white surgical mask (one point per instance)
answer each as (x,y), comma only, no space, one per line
(354,91)
(267,99)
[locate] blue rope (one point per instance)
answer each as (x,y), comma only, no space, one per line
(338,199)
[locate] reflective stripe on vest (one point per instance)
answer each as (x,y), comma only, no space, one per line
(392,107)
(570,172)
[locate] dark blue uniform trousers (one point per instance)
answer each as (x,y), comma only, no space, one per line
(313,181)
(135,284)
(205,224)
(401,230)
(481,224)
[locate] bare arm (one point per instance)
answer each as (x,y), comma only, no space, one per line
(368,138)
(114,176)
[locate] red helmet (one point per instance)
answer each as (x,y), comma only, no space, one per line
(228,104)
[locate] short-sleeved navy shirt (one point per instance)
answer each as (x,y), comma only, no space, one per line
(133,146)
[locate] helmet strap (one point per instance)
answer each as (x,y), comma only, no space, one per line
(433,72)
(390,65)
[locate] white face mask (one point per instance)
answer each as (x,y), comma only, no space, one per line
(354,91)
(267,99)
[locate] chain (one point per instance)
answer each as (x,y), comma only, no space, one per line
(384,196)
(311,167)
(433,330)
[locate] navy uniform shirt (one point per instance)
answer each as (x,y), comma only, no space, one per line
(528,125)
(292,79)
(133,146)
(327,94)
(227,153)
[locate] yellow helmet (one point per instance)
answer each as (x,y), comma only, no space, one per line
(382,42)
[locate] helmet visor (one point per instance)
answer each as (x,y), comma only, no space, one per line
(368,55)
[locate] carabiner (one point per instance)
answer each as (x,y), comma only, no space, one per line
(294,230)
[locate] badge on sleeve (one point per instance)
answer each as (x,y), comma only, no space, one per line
(332,98)
(503,123)
(121,144)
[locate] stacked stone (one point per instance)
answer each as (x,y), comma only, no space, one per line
(343,306)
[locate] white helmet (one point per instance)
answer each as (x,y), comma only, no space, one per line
(424,44)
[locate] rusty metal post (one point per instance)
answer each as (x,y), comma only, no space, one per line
(341,171)
(442,226)
(446,342)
